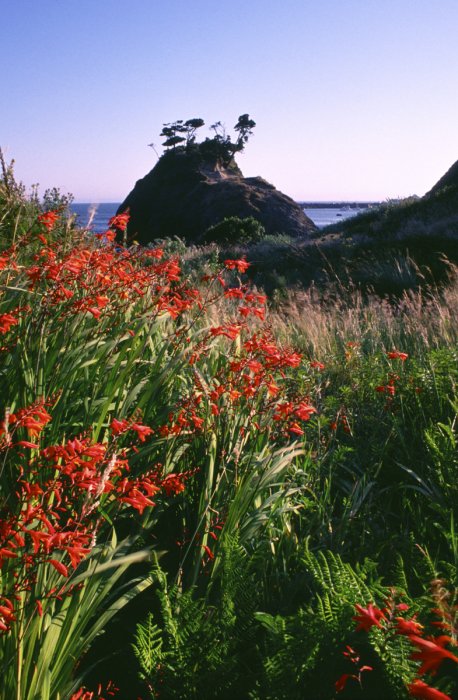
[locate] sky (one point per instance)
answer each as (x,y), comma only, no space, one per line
(353,99)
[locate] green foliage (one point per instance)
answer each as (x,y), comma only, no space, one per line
(48,646)
(201,647)
(302,652)
(233,229)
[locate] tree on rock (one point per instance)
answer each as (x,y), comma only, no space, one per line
(191,126)
(245,127)
(182,134)
(171,131)
(188,128)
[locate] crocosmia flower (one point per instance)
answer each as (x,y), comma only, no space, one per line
(368,617)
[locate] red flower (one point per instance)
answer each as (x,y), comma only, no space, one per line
(84,694)
(304,411)
(342,681)
(48,219)
(239,265)
(6,554)
(6,321)
(208,551)
(61,568)
(7,615)
(120,221)
(119,426)
(234,293)
(231,331)
(314,364)
(34,418)
(142,431)
(419,689)
(368,617)
(173,484)
(431,653)
(408,626)
(396,355)
(137,500)
(76,553)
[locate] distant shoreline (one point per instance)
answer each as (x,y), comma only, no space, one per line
(332,204)
(321,213)
(339,205)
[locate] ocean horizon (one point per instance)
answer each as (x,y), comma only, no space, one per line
(95,216)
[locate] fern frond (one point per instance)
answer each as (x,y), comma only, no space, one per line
(148,645)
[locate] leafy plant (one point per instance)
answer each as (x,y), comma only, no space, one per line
(233,229)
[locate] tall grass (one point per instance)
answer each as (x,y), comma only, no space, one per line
(419,321)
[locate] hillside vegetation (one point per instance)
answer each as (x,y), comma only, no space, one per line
(204,495)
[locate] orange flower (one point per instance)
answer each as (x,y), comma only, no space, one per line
(173,484)
(119,221)
(34,418)
(234,293)
(239,265)
(48,219)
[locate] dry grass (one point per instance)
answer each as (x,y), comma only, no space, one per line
(422,319)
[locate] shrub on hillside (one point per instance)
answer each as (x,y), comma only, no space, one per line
(233,229)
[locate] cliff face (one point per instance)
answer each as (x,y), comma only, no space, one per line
(184,195)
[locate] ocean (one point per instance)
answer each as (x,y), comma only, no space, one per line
(99,214)
(94,216)
(325,216)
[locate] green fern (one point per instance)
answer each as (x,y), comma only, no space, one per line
(202,647)
(148,646)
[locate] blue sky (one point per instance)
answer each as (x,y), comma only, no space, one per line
(353,99)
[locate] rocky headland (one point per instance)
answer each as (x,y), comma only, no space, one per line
(188,192)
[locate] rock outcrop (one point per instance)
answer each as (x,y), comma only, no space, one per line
(185,194)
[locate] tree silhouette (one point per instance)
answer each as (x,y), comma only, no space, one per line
(191,126)
(183,134)
(245,127)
